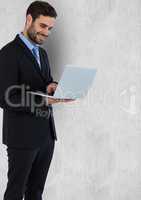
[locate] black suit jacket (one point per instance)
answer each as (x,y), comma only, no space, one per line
(26,125)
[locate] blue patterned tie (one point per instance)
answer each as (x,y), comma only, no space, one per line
(35,51)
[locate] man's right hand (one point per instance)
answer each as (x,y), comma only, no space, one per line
(53,101)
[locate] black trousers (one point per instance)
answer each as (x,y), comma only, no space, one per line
(27,171)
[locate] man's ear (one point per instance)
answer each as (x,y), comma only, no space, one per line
(29,20)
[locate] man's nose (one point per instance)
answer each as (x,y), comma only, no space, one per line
(45,32)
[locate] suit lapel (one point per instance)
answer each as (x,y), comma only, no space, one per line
(43,64)
(32,58)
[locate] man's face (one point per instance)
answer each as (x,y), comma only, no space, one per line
(39,29)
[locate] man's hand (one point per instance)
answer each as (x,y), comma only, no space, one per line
(53,101)
(51,88)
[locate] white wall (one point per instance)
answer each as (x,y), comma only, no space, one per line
(97,155)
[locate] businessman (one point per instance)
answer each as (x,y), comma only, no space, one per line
(28,134)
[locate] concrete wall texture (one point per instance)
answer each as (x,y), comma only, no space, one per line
(98,153)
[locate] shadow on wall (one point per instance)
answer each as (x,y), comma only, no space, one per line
(64,45)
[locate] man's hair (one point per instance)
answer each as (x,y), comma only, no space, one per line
(38,8)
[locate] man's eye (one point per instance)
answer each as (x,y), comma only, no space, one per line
(42,26)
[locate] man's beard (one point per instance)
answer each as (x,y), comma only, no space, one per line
(32,35)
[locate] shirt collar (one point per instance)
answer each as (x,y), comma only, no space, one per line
(27,42)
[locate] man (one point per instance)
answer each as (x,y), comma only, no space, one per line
(28,133)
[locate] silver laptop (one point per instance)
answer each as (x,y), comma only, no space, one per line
(74,83)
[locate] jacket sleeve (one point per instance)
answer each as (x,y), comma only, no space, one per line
(14,96)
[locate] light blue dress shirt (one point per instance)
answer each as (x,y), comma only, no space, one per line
(34,48)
